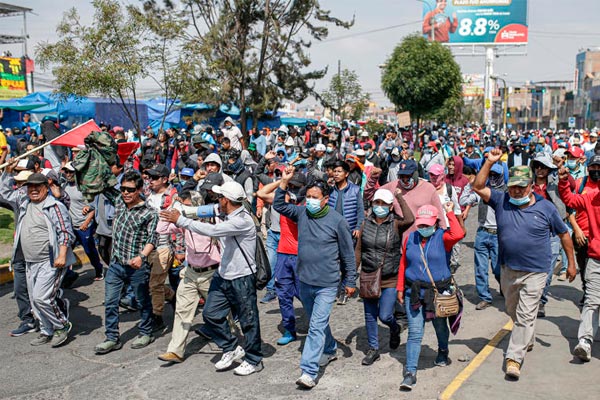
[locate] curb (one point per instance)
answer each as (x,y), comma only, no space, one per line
(476,362)
(6,275)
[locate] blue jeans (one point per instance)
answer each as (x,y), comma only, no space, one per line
(86,238)
(317,302)
(287,286)
(239,297)
(117,276)
(21,292)
(271,248)
(384,309)
(485,251)
(174,276)
(555,247)
(416,327)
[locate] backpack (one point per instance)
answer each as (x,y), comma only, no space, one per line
(263,267)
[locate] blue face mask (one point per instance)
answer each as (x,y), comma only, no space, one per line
(519,201)
(571,164)
(381,211)
(426,232)
(313,206)
(329,150)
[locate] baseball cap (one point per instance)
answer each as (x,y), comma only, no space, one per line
(559,153)
(187,172)
(545,160)
(519,176)
(593,134)
(23,175)
(360,153)
(320,147)
(69,167)
(364,134)
(384,195)
(426,215)
(158,170)
(436,169)
(576,152)
(49,173)
(252,147)
(231,190)
(298,180)
(211,180)
(407,167)
(36,179)
(395,151)
(497,168)
(595,160)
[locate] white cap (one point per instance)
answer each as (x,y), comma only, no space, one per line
(289,141)
(23,175)
(593,134)
(395,151)
(360,153)
(231,190)
(559,152)
(320,147)
(283,128)
(69,166)
(384,195)
(364,134)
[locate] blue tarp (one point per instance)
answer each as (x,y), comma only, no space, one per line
(71,107)
(301,122)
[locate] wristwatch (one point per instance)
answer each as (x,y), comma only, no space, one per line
(144,258)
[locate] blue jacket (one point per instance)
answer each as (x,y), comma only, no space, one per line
(353,206)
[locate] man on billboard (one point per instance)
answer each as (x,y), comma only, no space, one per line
(437,25)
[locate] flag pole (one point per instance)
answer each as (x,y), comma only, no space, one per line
(48,143)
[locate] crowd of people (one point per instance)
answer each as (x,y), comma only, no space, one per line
(195,203)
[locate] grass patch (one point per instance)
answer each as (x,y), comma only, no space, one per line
(7,226)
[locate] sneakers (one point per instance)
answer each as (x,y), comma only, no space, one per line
(583,350)
(170,357)
(327,358)
(61,335)
(513,369)
(541,311)
(482,305)
(343,299)
(23,329)
(371,357)
(269,297)
(107,346)
(40,340)
(142,341)
(442,359)
(229,358)
(306,382)
(245,368)
(287,338)
(395,338)
(409,381)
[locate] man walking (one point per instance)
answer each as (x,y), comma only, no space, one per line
(319,227)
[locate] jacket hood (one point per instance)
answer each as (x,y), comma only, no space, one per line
(458,179)
(214,157)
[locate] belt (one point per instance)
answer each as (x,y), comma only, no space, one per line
(488,230)
(204,269)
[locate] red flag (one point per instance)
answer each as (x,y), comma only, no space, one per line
(75,136)
(126,149)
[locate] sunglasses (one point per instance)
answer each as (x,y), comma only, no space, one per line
(124,189)
(154,178)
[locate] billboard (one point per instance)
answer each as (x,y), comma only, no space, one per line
(12,78)
(480,22)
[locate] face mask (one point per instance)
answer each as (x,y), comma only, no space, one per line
(409,185)
(313,206)
(396,158)
(381,211)
(437,181)
(235,166)
(594,176)
(368,153)
(519,201)
(426,232)
(496,180)
(330,150)
(571,164)
(517,151)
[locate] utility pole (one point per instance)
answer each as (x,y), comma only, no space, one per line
(489,71)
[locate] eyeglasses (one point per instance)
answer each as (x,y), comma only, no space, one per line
(127,189)
(154,178)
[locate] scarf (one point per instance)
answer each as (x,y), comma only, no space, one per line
(323,212)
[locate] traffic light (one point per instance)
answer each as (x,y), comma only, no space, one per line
(508,114)
(537,90)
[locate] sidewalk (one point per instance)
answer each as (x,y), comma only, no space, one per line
(550,371)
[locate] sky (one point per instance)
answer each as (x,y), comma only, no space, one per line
(558,30)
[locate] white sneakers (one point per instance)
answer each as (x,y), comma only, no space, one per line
(229,358)
(306,382)
(583,350)
(245,368)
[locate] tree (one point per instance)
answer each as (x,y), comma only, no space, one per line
(256,49)
(421,76)
(107,58)
(345,95)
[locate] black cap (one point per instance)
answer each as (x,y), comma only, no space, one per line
(298,180)
(37,179)
(212,179)
(159,170)
(407,167)
(595,160)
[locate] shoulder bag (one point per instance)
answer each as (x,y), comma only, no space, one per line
(446,305)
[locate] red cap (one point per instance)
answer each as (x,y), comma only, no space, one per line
(426,215)
(575,151)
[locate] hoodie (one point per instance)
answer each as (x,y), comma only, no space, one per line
(458,180)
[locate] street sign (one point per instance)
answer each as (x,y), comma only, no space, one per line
(571,122)
(488,104)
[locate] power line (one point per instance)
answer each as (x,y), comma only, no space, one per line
(387,28)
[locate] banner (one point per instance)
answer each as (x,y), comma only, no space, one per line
(404,119)
(480,22)
(77,135)
(12,78)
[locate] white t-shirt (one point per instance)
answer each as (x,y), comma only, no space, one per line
(234,135)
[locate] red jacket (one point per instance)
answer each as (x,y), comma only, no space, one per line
(588,201)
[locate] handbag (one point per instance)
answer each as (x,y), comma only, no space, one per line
(446,305)
(370,282)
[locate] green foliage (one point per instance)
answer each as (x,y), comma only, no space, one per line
(373,126)
(345,95)
(421,76)
(7,226)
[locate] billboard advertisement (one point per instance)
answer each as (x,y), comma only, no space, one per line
(12,78)
(482,22)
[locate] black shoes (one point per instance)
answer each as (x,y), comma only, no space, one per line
(409,381)
(371,357)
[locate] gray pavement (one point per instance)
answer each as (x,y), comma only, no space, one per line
(74,371)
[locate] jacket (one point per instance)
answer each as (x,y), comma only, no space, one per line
(353,207)
(380,246)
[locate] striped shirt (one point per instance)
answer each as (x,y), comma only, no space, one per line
(133,229)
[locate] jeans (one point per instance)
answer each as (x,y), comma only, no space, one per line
(317,302)
(174,277)
(271,248)
(287,286)
(117,276)
(416,327)
(237,296)
(104,247)
(384,309)
(485,251)
(21,292)
(87,241)
(555,247)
